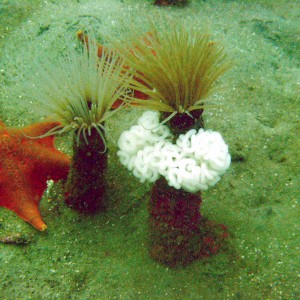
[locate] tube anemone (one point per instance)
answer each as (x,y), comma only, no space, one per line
(179,66)
(79,91)
(177,69)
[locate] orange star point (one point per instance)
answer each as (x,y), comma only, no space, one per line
(25,166)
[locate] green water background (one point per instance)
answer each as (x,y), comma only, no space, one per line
(106,256)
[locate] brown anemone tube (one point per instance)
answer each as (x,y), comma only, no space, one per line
(85,188)
(171,2)
(179,234)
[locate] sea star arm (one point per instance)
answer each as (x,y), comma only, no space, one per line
(26,163)
(18,196)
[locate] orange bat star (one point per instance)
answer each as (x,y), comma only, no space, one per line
(25,166)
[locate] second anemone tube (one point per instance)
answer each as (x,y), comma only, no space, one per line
(80,92)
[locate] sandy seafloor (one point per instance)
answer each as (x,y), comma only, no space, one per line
(106,256)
